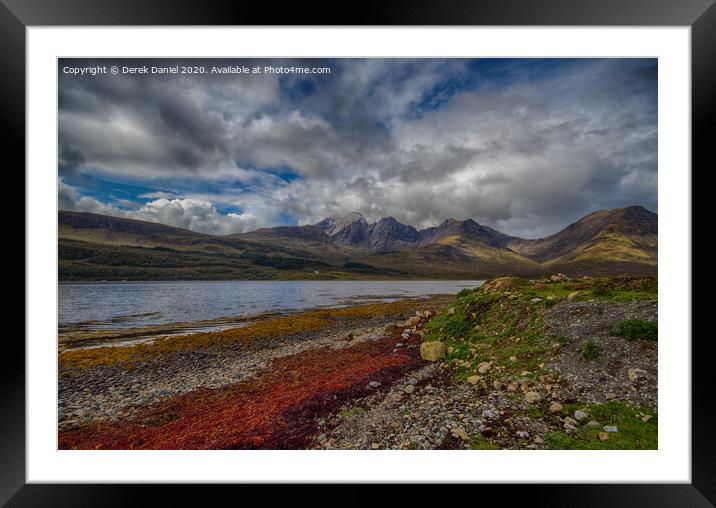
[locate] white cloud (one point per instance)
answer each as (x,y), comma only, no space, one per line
(195,215)
(158,195)
(526,156)
(192,214)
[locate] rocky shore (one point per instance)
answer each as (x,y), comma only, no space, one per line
(516,364)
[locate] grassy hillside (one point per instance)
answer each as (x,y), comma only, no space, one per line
(620,235)
(456,258)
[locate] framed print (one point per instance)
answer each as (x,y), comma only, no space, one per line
(433,247)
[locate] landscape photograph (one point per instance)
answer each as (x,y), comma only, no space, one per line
(357,254)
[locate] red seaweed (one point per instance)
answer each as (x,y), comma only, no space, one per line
(276,410)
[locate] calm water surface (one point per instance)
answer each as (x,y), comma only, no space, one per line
(125,304)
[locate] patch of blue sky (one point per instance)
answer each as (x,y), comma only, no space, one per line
(227,209)
(286,219)
(283,172)
(114,191)
(492,73)
(296,89)
(121,191)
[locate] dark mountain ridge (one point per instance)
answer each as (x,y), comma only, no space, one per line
(605,241)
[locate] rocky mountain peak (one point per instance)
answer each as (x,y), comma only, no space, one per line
(334,225)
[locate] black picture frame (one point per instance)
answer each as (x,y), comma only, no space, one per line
(700,15)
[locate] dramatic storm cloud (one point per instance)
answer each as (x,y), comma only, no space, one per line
(525,146)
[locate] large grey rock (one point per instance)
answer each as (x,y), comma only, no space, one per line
(580,415)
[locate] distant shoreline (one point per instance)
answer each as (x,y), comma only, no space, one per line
(163,281)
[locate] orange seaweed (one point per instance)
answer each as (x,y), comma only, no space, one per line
(265,329)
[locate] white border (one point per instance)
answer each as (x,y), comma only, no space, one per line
(670,463)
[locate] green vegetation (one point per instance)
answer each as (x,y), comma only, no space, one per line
(603,288)
(603,293)
(282,263)
(637,329)
(88,261)
(479,442)
(502,323)
(482,327)
(589,350)
(560,339)
(351,411)
(636,426)
(498,333)
(370,269)
(455,326)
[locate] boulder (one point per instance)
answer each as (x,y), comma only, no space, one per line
(635,374)
(532,397)
(580,415)
(555,407)
(432,351)
(488,413)
(500,284)
(458,432)
(412,321)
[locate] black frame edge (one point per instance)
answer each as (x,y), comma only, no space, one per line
(370,12)
(703,109)
(12,132)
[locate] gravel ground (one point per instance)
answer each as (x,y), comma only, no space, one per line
(113,392)
(608,376)
(432,416)
(436,413)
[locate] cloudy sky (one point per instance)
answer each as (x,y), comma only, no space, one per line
(526,146)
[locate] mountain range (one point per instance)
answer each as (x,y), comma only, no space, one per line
(96,247)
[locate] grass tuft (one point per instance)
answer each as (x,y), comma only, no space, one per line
(589,351)
(637,329)
(478,442)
